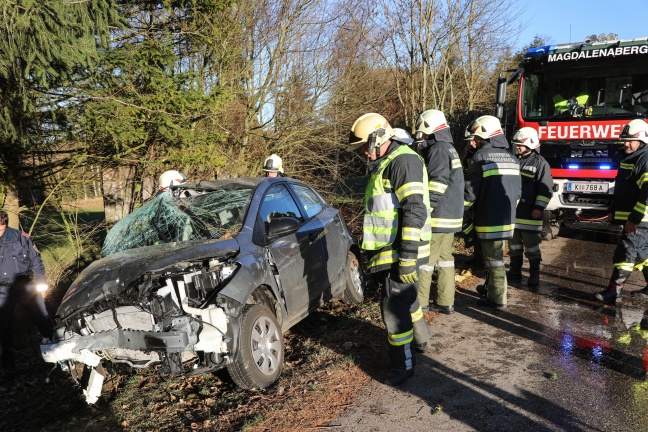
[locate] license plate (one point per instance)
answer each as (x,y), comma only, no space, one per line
(587,187)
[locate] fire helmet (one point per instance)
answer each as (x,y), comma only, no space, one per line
(431,121)
(366,125)
(273,163)
(636,130)
(172,178)
(485,127)
(527,137)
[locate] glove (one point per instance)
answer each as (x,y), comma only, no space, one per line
(407,271)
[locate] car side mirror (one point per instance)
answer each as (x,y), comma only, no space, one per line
(282,226)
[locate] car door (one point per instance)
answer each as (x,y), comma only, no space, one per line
(333,241)
(297,254)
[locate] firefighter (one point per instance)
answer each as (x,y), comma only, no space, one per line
(273,166)
(22,281)
(171,178)
(446,185)
(629,208)
(470,239)
(396,235)
(537,186)
(492,189)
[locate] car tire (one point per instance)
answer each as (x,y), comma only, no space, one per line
(259,358)
(354,281)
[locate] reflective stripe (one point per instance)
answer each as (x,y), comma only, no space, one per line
(528,221)
(386,183)
(484,229)
(456,163)
(641,265)
(401,338)
(411,234)
(446,223)
(543,198)
(501,172)
(535,248)
(445,263)
(526,174)
(492,264)
(641,208)
(409,189)
(417,315)
(524,227)
(624,266)
(437,187)
(626,166)
(426,267)
(530,169)
(468,203)
(621,215)
(642,179)
(386,201)
(382,258)
(495,236)
(468,229)
(515,247)
(501,165)
(424,250)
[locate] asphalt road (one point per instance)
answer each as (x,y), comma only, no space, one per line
(555,360)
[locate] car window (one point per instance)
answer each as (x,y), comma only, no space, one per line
(312,202)
(279,203)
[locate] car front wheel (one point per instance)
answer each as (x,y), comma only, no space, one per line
(354,290)
(259,358)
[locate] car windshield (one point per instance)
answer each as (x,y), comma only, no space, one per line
(594,91)
(165,218)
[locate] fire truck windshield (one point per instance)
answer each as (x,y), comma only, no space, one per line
(610,90)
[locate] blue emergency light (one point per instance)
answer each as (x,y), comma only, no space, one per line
(604,167)
(573,166)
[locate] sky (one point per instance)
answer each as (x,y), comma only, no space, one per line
(566,21)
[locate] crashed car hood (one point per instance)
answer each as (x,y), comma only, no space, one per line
(111,275)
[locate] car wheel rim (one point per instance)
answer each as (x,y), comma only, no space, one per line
(266,345)
(355,277)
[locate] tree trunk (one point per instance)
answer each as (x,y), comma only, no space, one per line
(11,205)
(118,191)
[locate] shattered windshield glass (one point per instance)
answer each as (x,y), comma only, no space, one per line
(164,219)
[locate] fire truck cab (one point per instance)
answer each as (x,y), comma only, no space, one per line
(578,97)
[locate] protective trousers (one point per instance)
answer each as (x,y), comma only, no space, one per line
(440,257)
(630,253)
(398,300)
(527,241)
(32,301)
(494,262)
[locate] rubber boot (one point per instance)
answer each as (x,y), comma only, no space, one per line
(612,294)
(534,273)
(515,272)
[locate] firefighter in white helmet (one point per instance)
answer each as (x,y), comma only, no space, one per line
(171,178)
(537,185)
(273,166)
(630,209)
(446,186)
(396,235)
(492,189)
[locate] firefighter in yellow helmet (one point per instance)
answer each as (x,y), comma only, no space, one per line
(396,235)
(273,166)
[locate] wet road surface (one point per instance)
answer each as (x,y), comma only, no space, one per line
(555,360)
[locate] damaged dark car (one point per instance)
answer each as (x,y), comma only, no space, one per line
(207,276)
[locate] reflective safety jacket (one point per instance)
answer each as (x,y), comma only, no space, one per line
(537,186)
(631,189)
(397,207)
(493,187)
(18,255)
(446,183)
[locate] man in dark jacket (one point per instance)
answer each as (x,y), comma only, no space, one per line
(537,186)
(22,280)
(446,185)
(492,190)
(630,209)
(396,234)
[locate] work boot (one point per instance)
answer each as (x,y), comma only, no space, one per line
(396,377)
(643,293)
(611,295)
(515,271)
(482,290)
(420,347)
(534,273)
(442,309)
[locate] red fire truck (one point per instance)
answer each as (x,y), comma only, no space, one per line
(578,96)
